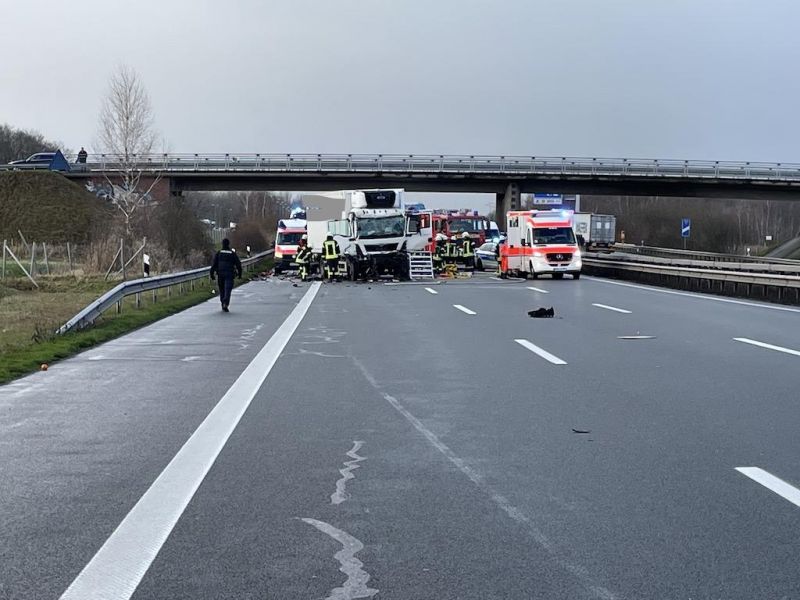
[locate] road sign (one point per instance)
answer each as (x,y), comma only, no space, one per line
(686,227)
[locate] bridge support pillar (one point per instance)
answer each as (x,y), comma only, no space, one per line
(508,200)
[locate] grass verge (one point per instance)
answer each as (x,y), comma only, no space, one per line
(25,348)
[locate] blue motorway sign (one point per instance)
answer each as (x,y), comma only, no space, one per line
(686,227)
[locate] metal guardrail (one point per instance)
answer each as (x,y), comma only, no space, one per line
(440,164)
(791,281)
(711,263)
(699,255)
(89,314)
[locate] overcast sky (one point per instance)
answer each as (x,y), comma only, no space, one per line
(701,79)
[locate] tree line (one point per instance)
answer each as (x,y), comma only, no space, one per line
(717,225)
(17,144)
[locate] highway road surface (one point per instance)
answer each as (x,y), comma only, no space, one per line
(408,442)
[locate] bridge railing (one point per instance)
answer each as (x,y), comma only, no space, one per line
(442,164)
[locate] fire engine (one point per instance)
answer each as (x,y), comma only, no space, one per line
(287,239)
(540,242)
(456,223)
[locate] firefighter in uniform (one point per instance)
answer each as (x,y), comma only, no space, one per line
(450,251)
(302,257)
(226,266)
(468,251)
(438,252)
(330,253)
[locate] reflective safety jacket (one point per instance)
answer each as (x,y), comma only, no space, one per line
(467,248)
(330,249)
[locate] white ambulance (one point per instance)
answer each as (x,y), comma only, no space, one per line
(540,242)
(287,238)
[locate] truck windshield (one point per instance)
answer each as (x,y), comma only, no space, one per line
(289,238)
(553,235)
(467,225)
(381,227)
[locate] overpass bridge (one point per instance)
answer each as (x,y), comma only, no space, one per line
(505,176)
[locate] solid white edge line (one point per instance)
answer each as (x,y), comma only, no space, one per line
(768,346)
(769,481)
(541,352)
(648,288)
(431,290)
(535,289)
(464,309)
(614,308)
(116,570)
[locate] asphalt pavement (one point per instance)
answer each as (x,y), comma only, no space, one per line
(413,442)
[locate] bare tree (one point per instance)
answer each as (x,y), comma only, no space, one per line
(127,131)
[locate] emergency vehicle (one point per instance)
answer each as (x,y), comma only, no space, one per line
(540,242)
(456,223)
(287,239)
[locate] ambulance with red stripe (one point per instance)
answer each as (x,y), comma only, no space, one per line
(287,239)
(540,242)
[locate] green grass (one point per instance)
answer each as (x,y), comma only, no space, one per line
(29,344)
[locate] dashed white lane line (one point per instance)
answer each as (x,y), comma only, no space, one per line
(431,291)
(768,346)
(115,571)
(464,309)
(698,296)
(540,290)
(769,481)
(541,352)
(614,308)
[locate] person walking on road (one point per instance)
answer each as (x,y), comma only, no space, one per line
(330,253)
(226,266)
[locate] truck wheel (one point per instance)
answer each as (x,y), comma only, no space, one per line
(558,276)
(576,275)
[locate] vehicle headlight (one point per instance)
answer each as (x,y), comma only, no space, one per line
(278,254)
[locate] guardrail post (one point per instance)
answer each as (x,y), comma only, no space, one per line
(119,306)
(169,291)
(4,260)
(138,300)
(155,296)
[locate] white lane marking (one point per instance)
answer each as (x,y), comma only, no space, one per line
(535,289)
(541,352)
(115,571)
(768,346)
(614,308)
(769,481)
(698,296)
(431,290)
(579,571)
(464,309)
(355,586)
(340,495)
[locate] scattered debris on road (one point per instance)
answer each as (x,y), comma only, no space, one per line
(542,313)
(574,430)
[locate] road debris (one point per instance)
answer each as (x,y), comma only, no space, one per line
(542,313)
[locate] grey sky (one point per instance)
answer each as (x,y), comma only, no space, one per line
(699,79)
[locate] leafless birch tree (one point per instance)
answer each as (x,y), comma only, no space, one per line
(126,131)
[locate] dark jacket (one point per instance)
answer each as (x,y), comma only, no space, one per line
(227,264)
